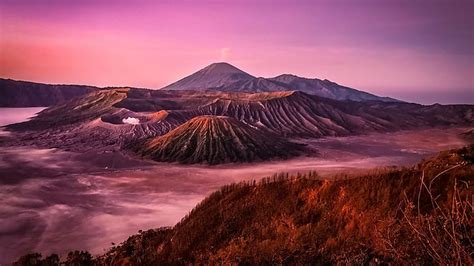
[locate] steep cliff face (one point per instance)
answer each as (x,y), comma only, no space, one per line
(217,139)
(28,94)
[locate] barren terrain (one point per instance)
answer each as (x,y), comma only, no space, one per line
(53,200)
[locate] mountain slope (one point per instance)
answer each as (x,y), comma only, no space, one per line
(78,110)
(419,215)
(29,94)
(216,139)
(225,77)
(327,89)
(214,76)
(97,120)
(297,114)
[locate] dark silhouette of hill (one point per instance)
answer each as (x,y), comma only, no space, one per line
(15,93)
(418,215)
(217,139)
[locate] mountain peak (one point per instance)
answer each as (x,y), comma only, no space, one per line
(286,78)
(223,76)
(213,76)
(222,68)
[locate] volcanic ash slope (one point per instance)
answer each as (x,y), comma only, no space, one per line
(215,140)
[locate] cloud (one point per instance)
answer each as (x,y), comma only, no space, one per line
(225,53)
(131,121)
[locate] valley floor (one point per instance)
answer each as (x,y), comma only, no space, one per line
(56,201)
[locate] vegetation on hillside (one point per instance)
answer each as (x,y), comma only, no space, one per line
(74,258)
(412,215)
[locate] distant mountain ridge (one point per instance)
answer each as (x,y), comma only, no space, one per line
(215,77)
(226,77)
(14,93)
(328,89)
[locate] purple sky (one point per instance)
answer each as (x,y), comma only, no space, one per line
(421,51)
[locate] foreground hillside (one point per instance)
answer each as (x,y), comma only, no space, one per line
(417,215)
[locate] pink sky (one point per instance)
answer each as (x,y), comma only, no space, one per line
(414,50)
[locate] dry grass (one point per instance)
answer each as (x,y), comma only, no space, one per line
(419,215)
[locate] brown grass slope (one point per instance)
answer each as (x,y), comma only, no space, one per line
(417,215)
(216,139)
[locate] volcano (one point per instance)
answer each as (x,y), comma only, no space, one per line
(214,76)
(217,139)
(228,78)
